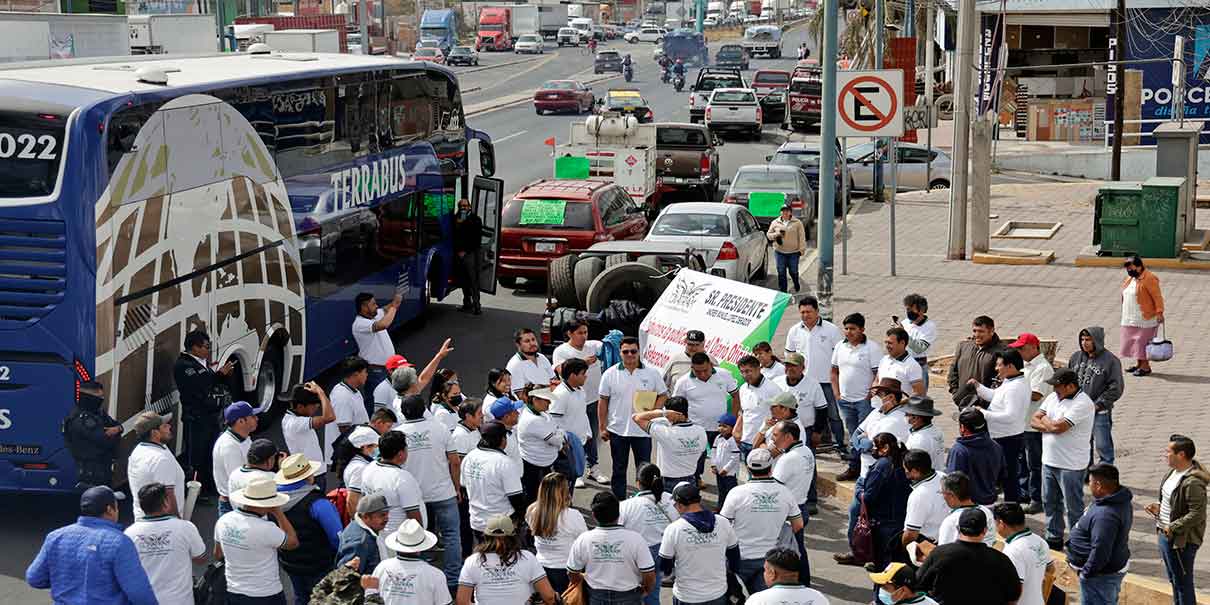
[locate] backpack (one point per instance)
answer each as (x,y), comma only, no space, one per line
(339,498)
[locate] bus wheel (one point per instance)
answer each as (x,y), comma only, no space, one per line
(268,380)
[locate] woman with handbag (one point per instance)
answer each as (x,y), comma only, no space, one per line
(1142,313)
(885,494)
(555,525)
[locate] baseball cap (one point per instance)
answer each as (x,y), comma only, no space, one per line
(237,410)
(760,459)
(542,393)
(795,359)
(503,406)
(972,522)
(696,336)
(1064,376)
(972,418)
(787,207)
(686,492)
(785,400)
(148,420)
(500,525)
(1025,339)
(363,436)
(95,500)
(261,450)
(397,361)
(727,419)
(896,574)
(372,503)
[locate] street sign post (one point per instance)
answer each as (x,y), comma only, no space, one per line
(869,103)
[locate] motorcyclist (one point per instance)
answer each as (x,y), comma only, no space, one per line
(626,60)
(679,68)
(592,46)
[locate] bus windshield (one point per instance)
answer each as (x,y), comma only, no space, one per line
(31,148)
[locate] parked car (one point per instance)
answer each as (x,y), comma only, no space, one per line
(708,79)
(732,55)
(564,95)
(430,54)
(771,86)
(787,183)
(734,110)
(531,44)
(568,36)
(627,101)
(463,55)
(729,238)
(710,22)
(912,170)
(607,61)
(687,158)
(549,218)
(646,34)
(806,157)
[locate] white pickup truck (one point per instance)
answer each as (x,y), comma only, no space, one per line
(734,110)
(709,79)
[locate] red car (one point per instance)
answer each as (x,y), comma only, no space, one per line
(564,95)
(429,54)
(549,218)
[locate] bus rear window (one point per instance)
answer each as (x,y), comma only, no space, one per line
(31,148)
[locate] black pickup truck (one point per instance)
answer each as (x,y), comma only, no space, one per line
(686,158)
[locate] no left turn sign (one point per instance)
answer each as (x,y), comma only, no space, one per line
(869,103)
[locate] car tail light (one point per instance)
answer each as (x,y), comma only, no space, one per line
(796,203)
(602,237)
(728,252)
(759,114)
(705,163)
(650,114)
(730,199)
(707,112)
(692,100)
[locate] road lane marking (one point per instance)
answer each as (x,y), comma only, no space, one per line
(510,136)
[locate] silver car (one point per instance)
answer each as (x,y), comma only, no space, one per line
(762,189)
(529,44)
(912,168)
(727,235)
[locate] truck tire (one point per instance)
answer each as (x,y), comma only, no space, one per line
(585,272)
(636,282)
(562,279)
(651,260)
(615,259)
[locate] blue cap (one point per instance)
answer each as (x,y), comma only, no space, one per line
(502,406)
(237,410)
(727,419)
(95,500)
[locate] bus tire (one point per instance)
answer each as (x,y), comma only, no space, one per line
(563,279)
(636,282)
(269,380)
(651,260)
(615,259)
(585,272)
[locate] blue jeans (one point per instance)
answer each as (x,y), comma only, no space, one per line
(224,507)
(784,262)
(744,449)
(616,597)
(443,517)
(590,448)
(855,507)
(725,485)
(620,449)
(719,601)
(1102,437)
(302,587)
(924,371)
(653,597)
(1011,448)
(752,573)
(701,462)
(1101,590)
(800,538)
(1062,491)
(375,376)
(1179,564)
(834,421)
(239,599)
(853,413)
(1031,471)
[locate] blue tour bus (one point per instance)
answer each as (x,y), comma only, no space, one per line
(249,195)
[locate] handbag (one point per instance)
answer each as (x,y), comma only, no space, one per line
(862,543)
(1160,348)
(211,587)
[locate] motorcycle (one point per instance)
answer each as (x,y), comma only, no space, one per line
(678,83)
(628,72)
(665,75)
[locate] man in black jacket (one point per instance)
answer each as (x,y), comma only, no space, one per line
(200,411)
(969,571)
(468,228)
(974,358)
(1099,544)
(92,437)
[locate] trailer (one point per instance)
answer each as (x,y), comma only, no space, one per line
(617,147)
(525,20)
(551,17)
(304,40)
(176,34)
(42,36)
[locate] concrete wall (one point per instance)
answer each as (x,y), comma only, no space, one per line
(1138,164)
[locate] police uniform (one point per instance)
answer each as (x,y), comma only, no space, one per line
(92,450)
(200,414)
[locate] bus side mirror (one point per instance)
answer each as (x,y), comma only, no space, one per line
(487,158)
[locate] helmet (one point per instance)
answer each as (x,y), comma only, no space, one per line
(680,60)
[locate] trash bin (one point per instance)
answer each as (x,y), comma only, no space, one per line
(1140,219)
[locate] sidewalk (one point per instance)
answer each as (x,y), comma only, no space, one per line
(1053,301)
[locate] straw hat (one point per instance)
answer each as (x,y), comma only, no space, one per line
(295,468)
(411,538)
(260,492)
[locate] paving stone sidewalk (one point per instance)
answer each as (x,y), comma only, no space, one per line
(1052,301)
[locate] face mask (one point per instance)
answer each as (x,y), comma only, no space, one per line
(463,213)
(374,453)
(1132,273)
(90,402)
(913,316)
(456,400)
(885,597)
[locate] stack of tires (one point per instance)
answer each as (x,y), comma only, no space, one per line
(591,283)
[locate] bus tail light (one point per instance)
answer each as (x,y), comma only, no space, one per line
(35,466)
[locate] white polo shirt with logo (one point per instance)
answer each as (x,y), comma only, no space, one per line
(1030,555)
(353,470)
(1068,450)
(539,371)
(681,445)
(250,544)
(698,559)
(948,532)
(409,580)
(401,489)
(167,544)
(373,346)
(754,406)
(464,439)
(495,582)
(795,594)
(429,447)
(642,514)
(349,405)
(154,463)
(611,557)
(816,344)
(300,438)
(773,371)
(553,551)
(620,386)
(795,468)
(384,393)
(489,477)
(540,437)
(926,507)
(707,400)
(570,410)
(229,453)
(758,510)
(907,370)
(592,348)
(810,398)
(930,439)
(856,366)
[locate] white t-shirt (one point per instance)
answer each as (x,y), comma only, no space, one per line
(707,400)
(777,369)
(242,476)
(300,438)
(154,463)
(611,557)
(641,514)
(373,346)
(948,532)
(758,511)
(250,546)
(809,395)
(930,439)
(893,422)
(349,405)
(230,452)
(442,415)
(620,386)
(754,406)
(429,446)
(489,477)
(592,348)
(926,507)
(401,489)
(464,439)
(353,470)
(384,393)
(907,370)
(166,548)
(553,551)
(1005,414)
(1068,450)
(1037,371)
(699,557)
(920,337)
(1166,490)
(495,583)
(1030,555)
(570,410)
(512,447)
(411,581)
(795,594)
(539,371)
(725,455)
(681,445)
(540,438)
(856,366)
(816,344)
(795,468)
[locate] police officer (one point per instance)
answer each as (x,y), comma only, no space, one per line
(92,436)
(199,407)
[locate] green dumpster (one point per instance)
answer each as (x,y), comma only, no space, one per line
(1139,219)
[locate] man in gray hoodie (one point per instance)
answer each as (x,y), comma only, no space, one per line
(1100,375)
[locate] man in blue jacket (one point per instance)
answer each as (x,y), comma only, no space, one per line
(359,539)
(91,561)
(1099,545)
(977,455)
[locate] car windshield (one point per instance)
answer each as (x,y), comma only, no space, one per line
(765,179)
(730,51)
(805,86)
(528,38)
(772,78)
(859,151)
(800,159)
(708,84)
(690,137)
(426,52)
(692,224)
(567,31)
(732,96)
(461,50)
(559,85)
(608,55)
(547,214)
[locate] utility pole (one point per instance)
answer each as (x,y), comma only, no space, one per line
(929,79)
(363,25)
(1119,94)
(879,143)
(699,9)
(827,146)
(962,121)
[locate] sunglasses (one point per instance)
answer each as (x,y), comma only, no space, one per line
(630,352)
